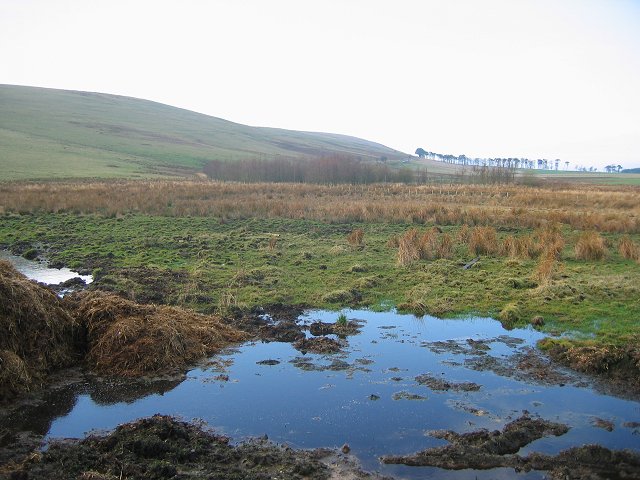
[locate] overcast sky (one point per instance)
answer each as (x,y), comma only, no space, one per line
(513,78)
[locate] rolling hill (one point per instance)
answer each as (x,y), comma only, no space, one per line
(48,133)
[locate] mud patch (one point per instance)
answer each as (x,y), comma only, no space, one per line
(481,449)
(484,450)
(351,327)
(440,384)
(318,345)
(162,447)
(402,395)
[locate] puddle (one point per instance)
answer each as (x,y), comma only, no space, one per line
(40,272)
(367,395)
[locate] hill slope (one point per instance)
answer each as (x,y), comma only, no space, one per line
(47,133)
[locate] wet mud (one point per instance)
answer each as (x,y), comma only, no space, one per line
(484,450)
(441,384)
(162,447)
(527,364)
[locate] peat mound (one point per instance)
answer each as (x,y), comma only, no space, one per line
(617,365)
(129,339)
(37,334)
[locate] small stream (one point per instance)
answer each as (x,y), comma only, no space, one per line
(367,396)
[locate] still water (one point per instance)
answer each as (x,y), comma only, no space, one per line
(367,395)
(40,272)
(359,396)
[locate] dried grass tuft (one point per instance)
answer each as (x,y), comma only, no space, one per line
(356,238)
(128,339)
(36,333)
(590,246)
(628,249)
(548,267)
(408,247)
(483,241)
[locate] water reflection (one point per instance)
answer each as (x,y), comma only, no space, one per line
(40,272)
(381,394)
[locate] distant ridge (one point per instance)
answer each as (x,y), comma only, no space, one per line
(48,133)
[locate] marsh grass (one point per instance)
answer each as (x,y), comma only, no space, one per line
(612,209)
(628,249)
(483,241)
(590,246)
(356,238)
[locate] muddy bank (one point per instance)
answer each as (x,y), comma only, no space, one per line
(163,447)
(617,367)
(483,450)
(40,333)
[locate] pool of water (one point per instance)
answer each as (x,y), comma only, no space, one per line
(360,396)
(40,272)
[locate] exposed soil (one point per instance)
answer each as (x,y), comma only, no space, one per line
(318,345)
(351,327)
(617,367)
(483,450)
(443,385)
(163,447)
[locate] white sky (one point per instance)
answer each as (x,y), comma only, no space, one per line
(526,78)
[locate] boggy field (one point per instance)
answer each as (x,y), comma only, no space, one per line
(563,257)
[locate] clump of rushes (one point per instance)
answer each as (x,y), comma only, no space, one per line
(590,246)
(429,246)
(342,320)
(408,251)
(550,240)
(464,233)
(628,249)
(483,241)
(445,248)
(356,238)
(548,266)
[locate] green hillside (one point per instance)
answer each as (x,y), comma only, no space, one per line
(47,133)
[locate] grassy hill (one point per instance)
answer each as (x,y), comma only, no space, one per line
(47,133)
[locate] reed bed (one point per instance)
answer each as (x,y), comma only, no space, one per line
(604,209)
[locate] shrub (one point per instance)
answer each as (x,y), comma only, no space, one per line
(590,246)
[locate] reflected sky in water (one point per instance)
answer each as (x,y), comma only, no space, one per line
(326,400)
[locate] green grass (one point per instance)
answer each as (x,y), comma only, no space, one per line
(46,133)
(204,263)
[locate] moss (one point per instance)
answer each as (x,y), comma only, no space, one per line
(510,315)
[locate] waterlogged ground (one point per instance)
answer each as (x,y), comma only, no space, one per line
(391,384)
(41,272)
